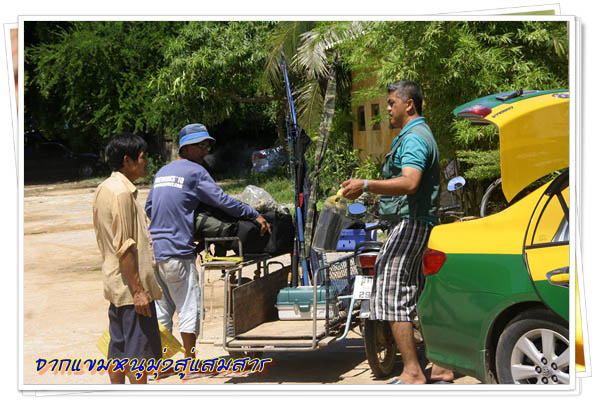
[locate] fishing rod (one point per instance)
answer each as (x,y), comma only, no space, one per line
(296,162)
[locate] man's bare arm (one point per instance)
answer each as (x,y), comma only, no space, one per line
(129,268)
(407,183)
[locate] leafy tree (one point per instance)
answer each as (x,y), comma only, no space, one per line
(211,74)
(456,62)
(89,80)
(95,75)
(85,81)
(310,50)
(36,106)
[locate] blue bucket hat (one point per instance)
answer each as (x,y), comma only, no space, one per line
(193,133)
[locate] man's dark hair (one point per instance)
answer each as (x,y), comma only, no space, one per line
(123,144)
(408,90)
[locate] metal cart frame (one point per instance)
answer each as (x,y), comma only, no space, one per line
(340,272)
(260,261)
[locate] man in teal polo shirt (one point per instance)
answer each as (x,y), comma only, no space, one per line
(409,200)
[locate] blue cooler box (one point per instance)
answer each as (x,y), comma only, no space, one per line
(349,238)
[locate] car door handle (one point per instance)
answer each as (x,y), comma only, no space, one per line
(559,277)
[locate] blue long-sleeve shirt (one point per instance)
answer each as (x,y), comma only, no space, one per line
(178,189)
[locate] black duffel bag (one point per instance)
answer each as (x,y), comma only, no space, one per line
(279,241)
(212,222)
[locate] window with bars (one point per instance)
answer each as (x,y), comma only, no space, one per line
(361,118)
(376,117)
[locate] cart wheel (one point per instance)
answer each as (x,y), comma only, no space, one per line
(242,354)
(381,349)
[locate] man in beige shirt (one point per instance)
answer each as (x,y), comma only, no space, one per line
(128,268)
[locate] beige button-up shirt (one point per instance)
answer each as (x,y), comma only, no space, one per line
(121,223)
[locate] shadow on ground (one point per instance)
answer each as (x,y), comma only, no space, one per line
(326,365)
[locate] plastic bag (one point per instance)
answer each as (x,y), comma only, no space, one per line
(259,199)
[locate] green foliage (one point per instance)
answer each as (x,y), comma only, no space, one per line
(480,165)
(468,135)
(211,73)
(88,80)
(282,190)
(313,60)
(93,76)
(285,38)
(340,162)
(309,50)
(155,164)
(458,61)
(370,168)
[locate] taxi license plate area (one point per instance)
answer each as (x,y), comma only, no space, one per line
(362,288)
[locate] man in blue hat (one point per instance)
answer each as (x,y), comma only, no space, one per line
(179,187)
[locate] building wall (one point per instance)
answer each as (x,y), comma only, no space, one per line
(372,139)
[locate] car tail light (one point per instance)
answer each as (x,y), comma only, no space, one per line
(433,261)
(367,263)
(475,110)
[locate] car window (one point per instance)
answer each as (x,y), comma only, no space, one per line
(552,225)
(562,234)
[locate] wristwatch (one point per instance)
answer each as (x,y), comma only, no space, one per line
(365,186)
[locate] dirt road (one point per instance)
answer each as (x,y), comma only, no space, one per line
(65,313)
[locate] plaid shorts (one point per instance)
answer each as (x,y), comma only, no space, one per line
(399,278)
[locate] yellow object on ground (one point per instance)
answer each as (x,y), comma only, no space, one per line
(209,257)
(167,341)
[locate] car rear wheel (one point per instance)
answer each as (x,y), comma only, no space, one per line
(381,349)
(533,350)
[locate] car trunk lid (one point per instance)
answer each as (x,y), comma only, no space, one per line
(533,128)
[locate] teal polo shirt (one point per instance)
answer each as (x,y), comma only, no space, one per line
(415,147)
(413,150)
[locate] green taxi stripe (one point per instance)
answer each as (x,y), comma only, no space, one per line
(557,297)
(504,274)
(461,301)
